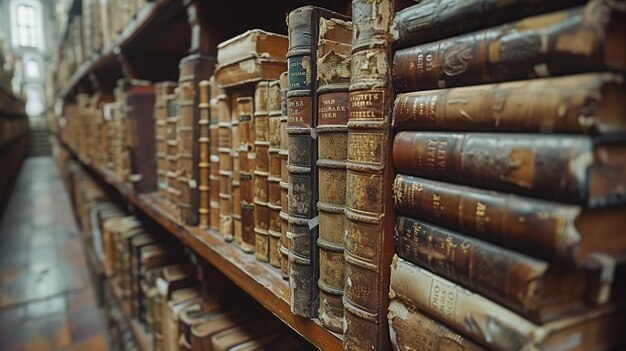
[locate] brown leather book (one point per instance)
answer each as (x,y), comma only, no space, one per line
(411,329)
(214,178)
(172,148)
(202,333)
(171,319)
(225,167)
(575,169)
(583,103)
(261,171)
(246,165)
(255,42)
(535,47)
(151,256)
(273,179)
(333,79)
(496,327)
(161,89)
(230,338)
(283,153)
(249,70)
(552,231)
(369,209)
(189,317)
(204,155)
(435,19)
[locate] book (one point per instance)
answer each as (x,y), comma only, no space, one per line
(283,152)
(369,211)
(235,115)
(255,43)
(202,333)
(214,178)
(496,327)
(556,232)
(535,47)
(172,148)
(204,155)
(333,79)
(261,171)
(273,179)
(240,334)
(249,70)
(225,167)
(575,169)
(162,89)
(589,103)
(247,165)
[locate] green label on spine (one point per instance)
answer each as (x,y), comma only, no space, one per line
(299,68)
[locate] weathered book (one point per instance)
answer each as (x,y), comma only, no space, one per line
(302,119)
(552,231)
(285,237)
(225,167)
(150,257)
(171,318)
(189,317)
(253,43)
(230,338)
(583,103)
(496,327)
(214,178)
(261,171)
(436,19)
(369,209)
(582,39)
(162,89)
(273,179)
(411,329)
(172,148)
(275,341)
(250,70)
(246,165)
(202,333)
(333,79)
(577,169)
(235,115)
(204,155)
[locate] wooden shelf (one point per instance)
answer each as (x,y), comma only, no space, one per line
(261,281)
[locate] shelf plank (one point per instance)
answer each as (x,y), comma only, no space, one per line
(261,281)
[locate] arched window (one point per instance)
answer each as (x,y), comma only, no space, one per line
(27,32)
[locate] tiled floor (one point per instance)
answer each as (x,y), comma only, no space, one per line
(46,299)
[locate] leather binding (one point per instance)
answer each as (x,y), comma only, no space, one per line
(496,327)
(162,89)
(411,329)
(227,339)
(249,70)
(548,105)
(333,79)
(151,257)
(260,43)
(202,333)
(552,231)
(190,316)
(128,247)
(139,110)
(369,210)
(204,156)
(112,230)
(225,167)
(555,167)
(172,149)
(261,171)
(273,204)
(285,239)
(535,47)
(436,19)
(214,178)
(171,334)
(234,96)
(303,30)
(174,288)
(246,165)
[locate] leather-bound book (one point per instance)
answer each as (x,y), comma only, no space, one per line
(304,27)
(255,43)
(204,155)
(496,327)
(577,169)
(273,179)
(411,329)
(162,89)
(151,257)
(549,105)
(333,79)
(249,70)
(214,178)
(230,338)
(369,210)
(172,148)
(189,317)
(202,333)
(283,152)
(246,169)
(261,171)
(535,47)
(171,318)
(234,96)
(552,231)
(225,167)
(436,19)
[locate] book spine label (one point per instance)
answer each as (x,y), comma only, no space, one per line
(299,68)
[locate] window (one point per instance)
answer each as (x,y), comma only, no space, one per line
(32,69)
(27,26)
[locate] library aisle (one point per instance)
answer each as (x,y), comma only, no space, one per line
(46,300)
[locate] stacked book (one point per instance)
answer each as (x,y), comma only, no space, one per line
(510,192)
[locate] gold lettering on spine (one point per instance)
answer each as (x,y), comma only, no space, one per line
(481,219)
(436,151)
(367,105)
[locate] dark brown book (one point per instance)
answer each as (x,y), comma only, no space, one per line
(172,148)
(235,115)
(369,210)
(584,103)
(214,178)
(552,231)
(273,179)
(587,171)
(202,333)
(162,89)
(285,239)
(582,39)
(333,79)
(204,155)
(246,165)
(261,171)
(225,167)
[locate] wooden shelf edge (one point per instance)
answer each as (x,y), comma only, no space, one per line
(259,280)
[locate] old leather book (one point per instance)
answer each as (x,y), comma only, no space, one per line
(150,257)
(540,46)
(273,179)
(230,338)
(550,105)
(369,209)
(189,317)
(283,152)
(171,332)
(255,43)
(204,155)
(496,327)
(576,169)
(162,89)
(214,178)
(435,19)
(261,171)
(411,329)
(246,165)
(172,148)
(225,167)
(333,79)
(202,333)
(249,70)
(235,114)
(302,106)
(552,231)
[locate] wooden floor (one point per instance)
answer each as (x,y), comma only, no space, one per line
(46,299)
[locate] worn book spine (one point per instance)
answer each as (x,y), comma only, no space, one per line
(246,165)
(225,168)
(583,103)
(204,159)
(333,79)
(162,89)
(411,329)
(436,19)
(214,178)
(273,179)
(235,114)
(285,239)
(535,47)
(172,149)
(369,210)
(261,171)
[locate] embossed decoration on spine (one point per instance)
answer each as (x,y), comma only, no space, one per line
(214,178)
(246,165)
(204,165)
(261,171)
(274,190)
